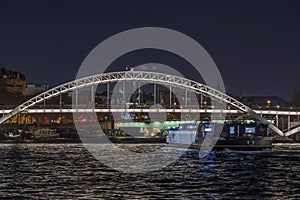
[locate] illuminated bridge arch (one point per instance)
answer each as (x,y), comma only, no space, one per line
(153,77)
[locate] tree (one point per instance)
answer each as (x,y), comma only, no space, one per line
(296,99)
(9,98)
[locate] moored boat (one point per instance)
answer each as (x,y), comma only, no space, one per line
(221,136)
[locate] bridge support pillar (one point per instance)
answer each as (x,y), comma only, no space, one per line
(107,93)
(282,122)
(289,122)
(201,101)
(154,94)
(170,95)
(76,99)
(60,101)
(139,93)
(93,95)
(186,99)
(123,91)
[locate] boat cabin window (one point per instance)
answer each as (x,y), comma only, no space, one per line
(232,130)
(250,130)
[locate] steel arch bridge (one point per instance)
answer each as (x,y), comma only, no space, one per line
(153,77)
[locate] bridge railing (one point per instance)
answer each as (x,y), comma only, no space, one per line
(122,106)
(279,108)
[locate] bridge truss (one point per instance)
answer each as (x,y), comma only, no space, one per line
(152,77)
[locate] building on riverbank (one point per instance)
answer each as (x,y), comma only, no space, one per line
(13,81)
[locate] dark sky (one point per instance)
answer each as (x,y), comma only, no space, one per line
(255,44)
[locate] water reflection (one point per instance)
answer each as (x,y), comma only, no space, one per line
(68,171)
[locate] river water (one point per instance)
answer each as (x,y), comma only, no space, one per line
(68,171)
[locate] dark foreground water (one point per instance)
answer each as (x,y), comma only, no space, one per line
(68,171)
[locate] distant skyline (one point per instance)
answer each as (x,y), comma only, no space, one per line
(255,44)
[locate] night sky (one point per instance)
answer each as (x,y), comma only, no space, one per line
(255,44)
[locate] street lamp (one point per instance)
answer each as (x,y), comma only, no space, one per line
(204,103)
(269,103)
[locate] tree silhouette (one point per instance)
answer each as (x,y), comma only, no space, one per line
(296,99)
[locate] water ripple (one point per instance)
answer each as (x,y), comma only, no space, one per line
(68,171)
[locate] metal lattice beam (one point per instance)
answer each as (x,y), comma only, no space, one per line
(293,131)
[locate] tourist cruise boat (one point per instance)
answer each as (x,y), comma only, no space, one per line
(232,135)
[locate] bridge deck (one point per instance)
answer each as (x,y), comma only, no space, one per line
(105,110)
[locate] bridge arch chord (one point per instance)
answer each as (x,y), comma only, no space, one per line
(293,131)
(138,76)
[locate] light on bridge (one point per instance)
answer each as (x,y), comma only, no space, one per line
(278,107)
(268,104)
